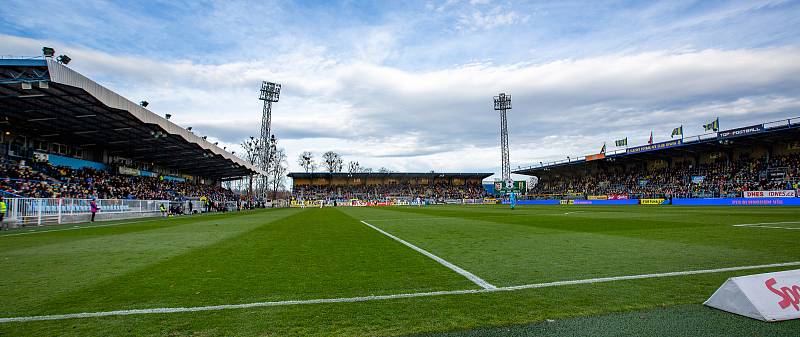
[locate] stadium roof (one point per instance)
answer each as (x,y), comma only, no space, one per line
(305,175)
(45,98)
(767,133)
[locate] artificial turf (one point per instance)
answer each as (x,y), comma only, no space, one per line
(293,254)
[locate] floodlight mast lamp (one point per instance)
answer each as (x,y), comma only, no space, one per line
(502,102)
(270,93)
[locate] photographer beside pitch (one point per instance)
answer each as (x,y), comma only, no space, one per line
(3,209)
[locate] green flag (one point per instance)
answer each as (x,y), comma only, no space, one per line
(621,142)
(712,126)
(677,132)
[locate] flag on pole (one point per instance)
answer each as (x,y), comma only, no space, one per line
(712,126)
(651,138)
(621,142)
(603,150)
(677,132)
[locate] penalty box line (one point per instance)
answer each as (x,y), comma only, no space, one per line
(470,276)
(767,225)
(380,297)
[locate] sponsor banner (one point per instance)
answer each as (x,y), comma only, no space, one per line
(536,202)
(595,156)
(617,197)
(770,194)
(747,130)
(767,297)
(658,201)
(605,202)
(41,157)
(490,201)
(698,179)
(148,174)
(565,202)
(128,171)
(653,147)
(737,201)
(597,197)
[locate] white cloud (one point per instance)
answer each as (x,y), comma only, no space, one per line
(442,119)
(488,19)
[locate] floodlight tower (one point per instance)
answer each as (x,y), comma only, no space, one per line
(502,103)
(270,92)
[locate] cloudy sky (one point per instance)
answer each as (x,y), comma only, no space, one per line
(408,85)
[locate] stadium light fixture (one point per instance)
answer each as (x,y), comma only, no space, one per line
(189,129)
(502,103)
(167,116)
(63,59)
(48,52)
(204,137)
(144,104)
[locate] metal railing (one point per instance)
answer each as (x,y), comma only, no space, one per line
(41,211)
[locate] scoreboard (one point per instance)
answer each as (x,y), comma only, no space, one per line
(503,187)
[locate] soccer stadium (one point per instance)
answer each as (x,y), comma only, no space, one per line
(340,178)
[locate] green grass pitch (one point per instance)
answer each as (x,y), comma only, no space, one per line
(310,254)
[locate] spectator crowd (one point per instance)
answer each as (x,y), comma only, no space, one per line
(718,179)
(437,191)
(42,180)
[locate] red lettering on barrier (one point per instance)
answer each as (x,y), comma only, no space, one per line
(789,296)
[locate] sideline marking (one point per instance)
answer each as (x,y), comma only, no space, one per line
(379,297)
(31,231)
(762,225)
(153,218)
(472,277)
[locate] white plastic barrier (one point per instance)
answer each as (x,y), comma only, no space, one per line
(767,297)
(41,211)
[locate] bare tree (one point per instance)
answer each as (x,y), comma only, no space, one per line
(278,173)
(353,167)
(366,170)
(306,161)
(383,170)
(252,149)
(332,161)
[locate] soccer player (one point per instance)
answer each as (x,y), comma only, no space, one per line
(512,200)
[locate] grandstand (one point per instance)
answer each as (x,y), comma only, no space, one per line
(389,187)
(66,136)
(726,164)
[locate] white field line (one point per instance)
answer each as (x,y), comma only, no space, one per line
(472,277)
(381,297)
(75,227)
(765,225)
(469,218)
